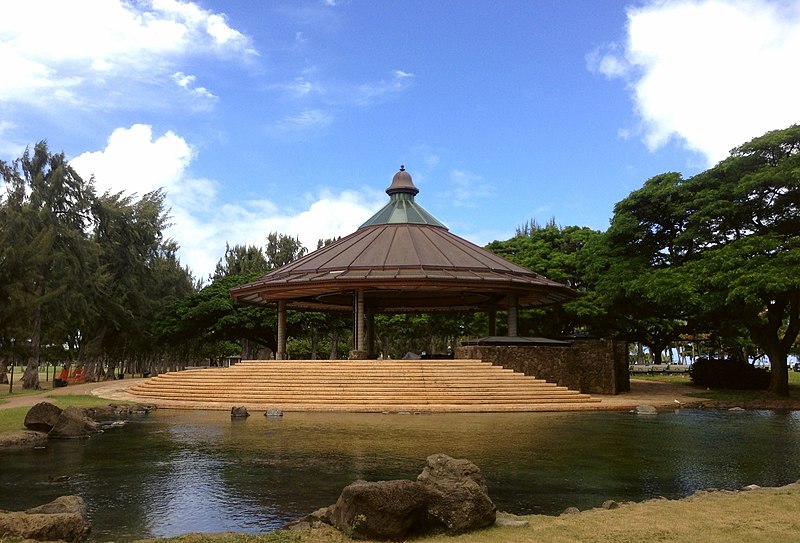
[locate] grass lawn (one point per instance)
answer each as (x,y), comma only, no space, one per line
(757,516)
(14,418)
(724,395)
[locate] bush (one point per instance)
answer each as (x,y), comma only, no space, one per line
(727,373)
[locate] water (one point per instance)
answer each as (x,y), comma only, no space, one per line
(174,472)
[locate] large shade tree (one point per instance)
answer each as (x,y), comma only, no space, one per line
(745,218)
(719,252)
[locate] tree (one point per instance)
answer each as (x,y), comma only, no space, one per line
(241,260)
(282,249)
(138,273)
(554,252)
(633,266)
(745,214)
(208,321)
(47,215)
(718,252)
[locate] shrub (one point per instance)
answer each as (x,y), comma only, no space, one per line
(727,373)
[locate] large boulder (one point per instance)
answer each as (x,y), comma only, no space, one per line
(385,510)
(73,423)
(42,417)
(459,500)
(63,519)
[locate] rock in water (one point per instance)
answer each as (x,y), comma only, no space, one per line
(73,423)
(459,497)
(239,412)
(645,410)
(42,417)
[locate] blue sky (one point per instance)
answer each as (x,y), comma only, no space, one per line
(293,116)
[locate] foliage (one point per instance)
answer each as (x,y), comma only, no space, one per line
(84,274)
(207,324)
(729,374)
(241,260)
(282,249)
(717,253)
(554,252)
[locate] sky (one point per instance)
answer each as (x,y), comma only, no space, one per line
(292,116)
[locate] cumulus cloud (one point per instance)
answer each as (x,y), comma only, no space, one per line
(135,160)
(75,52)
(711,73)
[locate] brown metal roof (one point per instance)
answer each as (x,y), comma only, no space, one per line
(415,264)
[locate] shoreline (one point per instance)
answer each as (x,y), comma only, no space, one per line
(657,394)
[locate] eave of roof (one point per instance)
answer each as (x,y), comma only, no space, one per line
(404,260)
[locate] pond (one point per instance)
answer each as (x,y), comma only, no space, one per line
(174,472)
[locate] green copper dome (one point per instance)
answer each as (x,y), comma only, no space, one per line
(402,209)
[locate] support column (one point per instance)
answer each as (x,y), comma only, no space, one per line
(360,321)
(359,336)
(492,315)
(281,353)
(370,331)
(512,315)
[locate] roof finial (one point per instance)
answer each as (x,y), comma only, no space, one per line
(401,182)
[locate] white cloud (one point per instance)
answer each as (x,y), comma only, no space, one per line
(371,93)
(306,121)
(467,189)
(187,82)
(713,73)
(135,161)
(75,52)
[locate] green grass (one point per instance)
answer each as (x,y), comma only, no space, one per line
(728,396)
(14,418)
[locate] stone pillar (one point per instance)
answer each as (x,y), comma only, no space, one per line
(281,353)
(512,315)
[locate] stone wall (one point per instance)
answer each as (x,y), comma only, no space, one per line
(592,366)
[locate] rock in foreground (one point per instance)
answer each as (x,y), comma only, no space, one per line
(448,496)
(459,498)
(63,519)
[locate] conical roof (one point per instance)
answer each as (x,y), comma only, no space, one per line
(403,259)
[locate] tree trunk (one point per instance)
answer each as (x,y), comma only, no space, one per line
(768,336)
(3,370)
(30,379)
(334,345)
(314,343)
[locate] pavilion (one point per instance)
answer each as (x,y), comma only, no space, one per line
(401,260)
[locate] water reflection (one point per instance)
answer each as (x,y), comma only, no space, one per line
(180,471)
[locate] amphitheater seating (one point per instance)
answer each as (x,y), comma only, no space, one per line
(359,386)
